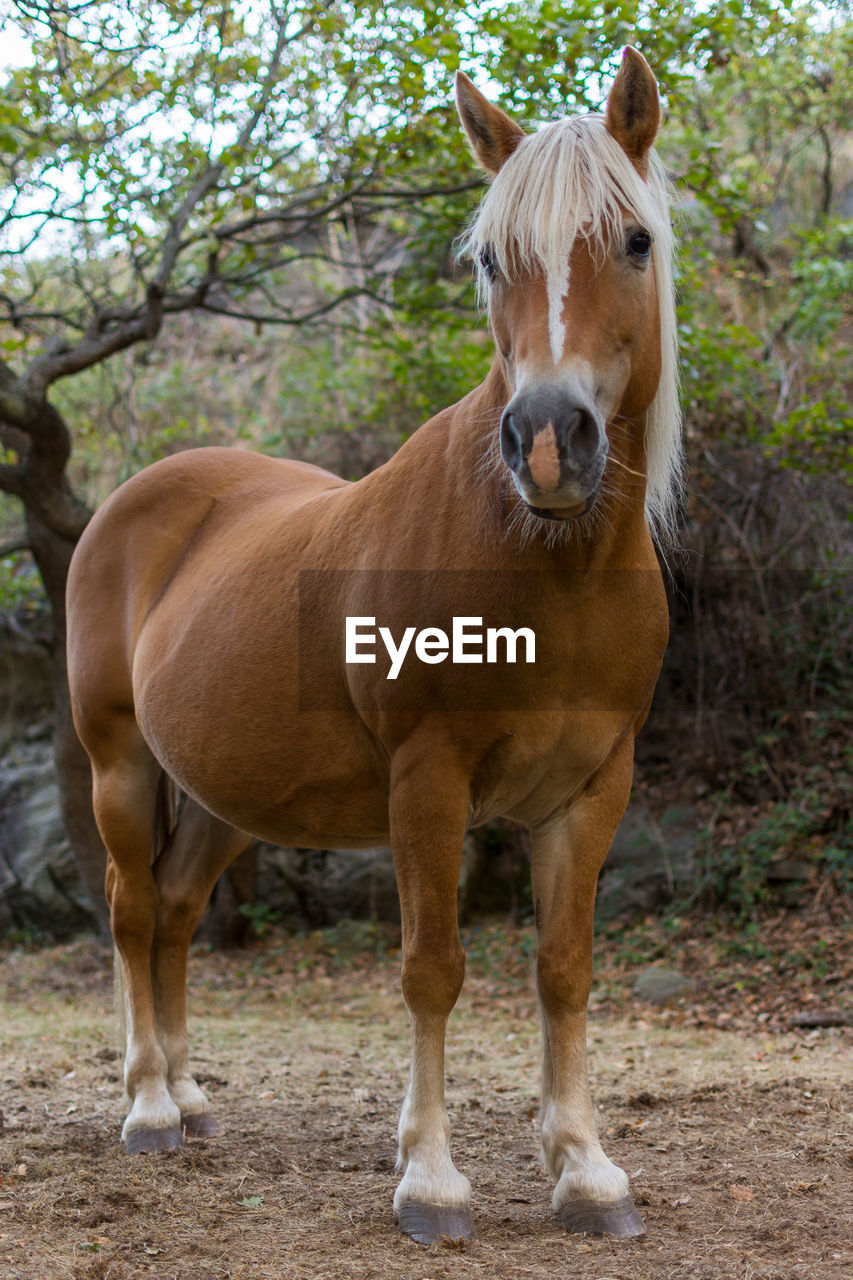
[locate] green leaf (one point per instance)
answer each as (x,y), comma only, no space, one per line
(252,1202)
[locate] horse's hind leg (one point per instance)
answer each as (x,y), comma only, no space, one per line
(591,1193)
(198,850)
(125,781)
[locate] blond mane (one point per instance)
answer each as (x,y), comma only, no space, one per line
(572,179)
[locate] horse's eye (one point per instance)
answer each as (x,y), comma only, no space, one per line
(488,264)
(639,246)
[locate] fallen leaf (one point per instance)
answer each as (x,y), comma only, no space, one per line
(94,1243)
(741,1193)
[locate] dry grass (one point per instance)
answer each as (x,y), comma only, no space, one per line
(738,1143)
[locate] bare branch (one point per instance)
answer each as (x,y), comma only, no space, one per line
(12,480)
(291,319)
(104,337)
(207,181)
(423,193)
(14,546)
(293,214)
(13,403)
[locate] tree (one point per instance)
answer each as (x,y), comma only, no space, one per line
(163,157)
(298,162)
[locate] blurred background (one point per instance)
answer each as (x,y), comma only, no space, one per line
(235,224)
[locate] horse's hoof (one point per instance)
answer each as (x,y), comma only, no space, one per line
(200,1125)
(618,1219)
(426,1223)
(139,1140)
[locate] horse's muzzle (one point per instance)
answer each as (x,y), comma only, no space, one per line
(556,447)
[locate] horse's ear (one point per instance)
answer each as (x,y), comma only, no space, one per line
(633,108)
(490,131)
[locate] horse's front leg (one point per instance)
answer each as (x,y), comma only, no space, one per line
(591,1192)
(428,810)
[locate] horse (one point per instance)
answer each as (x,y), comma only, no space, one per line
(275,642)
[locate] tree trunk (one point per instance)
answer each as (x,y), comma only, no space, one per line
(74,775)
(225,925)
(55,518)
(52,554)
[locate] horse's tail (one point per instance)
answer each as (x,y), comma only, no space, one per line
(165,821)
(120,1006)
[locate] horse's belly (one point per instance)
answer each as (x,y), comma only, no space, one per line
(337,808)
(288,776)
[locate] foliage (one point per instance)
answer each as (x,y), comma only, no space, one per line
(262,166)
(815,434)
(235,224)
(753,865)
(261,917)
(20,587)
(349,943)
(758,142)
(191,149)
(760,354)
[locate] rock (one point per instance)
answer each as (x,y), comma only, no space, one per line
(661,986)
(787,870)
(317,887)
(40,887)
(650,860)
(823,1018)
(25,690)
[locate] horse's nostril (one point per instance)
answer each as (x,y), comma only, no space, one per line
(511,445)
(583,436)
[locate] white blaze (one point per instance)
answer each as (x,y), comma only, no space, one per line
(558,287)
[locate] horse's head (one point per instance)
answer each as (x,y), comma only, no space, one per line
(572,245)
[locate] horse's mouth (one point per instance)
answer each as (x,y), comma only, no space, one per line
(562,513)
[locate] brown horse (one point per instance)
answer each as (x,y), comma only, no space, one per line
(233,620)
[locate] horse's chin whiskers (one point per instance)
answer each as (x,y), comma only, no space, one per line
(554,534)
(625,467)
(613,496)
(491,463)
(528,529)
(621,431)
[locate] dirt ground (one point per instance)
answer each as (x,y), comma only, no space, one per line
(735,1128)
